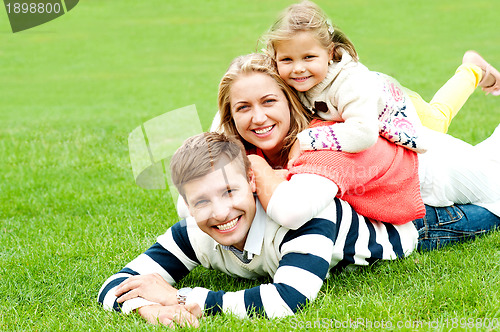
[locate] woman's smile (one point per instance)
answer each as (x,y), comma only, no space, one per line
(263,131)
(261,112)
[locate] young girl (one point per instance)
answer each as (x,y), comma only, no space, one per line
(322,65)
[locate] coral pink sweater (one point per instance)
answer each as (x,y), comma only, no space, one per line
(380,183)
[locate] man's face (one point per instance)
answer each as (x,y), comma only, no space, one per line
(223,204)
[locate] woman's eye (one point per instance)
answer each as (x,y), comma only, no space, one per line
(269,101)
(241,108)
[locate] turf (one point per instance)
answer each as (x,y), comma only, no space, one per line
(70,214)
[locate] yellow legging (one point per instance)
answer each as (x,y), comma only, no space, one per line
(446,103)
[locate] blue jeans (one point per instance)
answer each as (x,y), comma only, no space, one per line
(445,225)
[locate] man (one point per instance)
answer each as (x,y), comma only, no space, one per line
(229,231)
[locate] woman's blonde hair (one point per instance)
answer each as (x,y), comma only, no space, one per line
(307,16)
(260,63)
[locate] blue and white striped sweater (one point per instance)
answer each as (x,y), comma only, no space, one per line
(297,260)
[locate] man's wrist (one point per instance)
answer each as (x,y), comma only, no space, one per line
(182,294)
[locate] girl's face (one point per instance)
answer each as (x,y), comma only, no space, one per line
(260,111)
(302,61)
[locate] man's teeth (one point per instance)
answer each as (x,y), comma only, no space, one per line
(228,225)
(263,131)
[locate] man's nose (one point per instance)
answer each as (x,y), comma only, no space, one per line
(220,209)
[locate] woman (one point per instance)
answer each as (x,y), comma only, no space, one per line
(266,115)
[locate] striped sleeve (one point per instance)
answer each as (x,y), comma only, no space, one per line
(338,237)
(359,241)
(172,256)
(305,259)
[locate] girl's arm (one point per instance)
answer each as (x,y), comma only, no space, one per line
(353,102)
(353,135)
(291,203)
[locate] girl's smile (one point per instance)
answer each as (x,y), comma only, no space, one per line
(302,61)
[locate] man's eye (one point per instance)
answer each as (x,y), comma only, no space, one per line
(201,203)
(229,192)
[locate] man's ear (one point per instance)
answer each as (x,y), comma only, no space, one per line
(251,180)
(183,208)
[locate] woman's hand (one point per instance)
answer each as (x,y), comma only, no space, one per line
(151,287)
(266,179)
(281,173)
(258,163)
(293,154)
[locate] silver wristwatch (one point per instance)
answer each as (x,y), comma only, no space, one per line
(182,294)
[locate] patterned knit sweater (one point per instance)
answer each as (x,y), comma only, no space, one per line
(367,103)
(380,183)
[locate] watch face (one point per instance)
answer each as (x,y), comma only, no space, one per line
(182,295)
(184,291)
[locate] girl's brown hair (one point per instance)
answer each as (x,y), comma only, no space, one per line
(307,16)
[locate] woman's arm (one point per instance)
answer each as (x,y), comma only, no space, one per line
(297,201)
(291,203)
(266,178)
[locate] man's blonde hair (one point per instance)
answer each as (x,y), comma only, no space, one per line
(202,154)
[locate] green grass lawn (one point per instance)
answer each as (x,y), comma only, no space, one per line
(71,215)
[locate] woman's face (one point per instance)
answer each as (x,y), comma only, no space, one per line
(260,111)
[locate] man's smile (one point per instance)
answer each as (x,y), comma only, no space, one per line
(228,225)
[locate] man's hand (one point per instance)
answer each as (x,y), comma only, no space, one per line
(172,315)
(151,287)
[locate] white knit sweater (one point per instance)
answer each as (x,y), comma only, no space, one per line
(366,104)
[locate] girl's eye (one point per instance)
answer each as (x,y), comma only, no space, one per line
(310,57)
(269,101)
(284,60)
